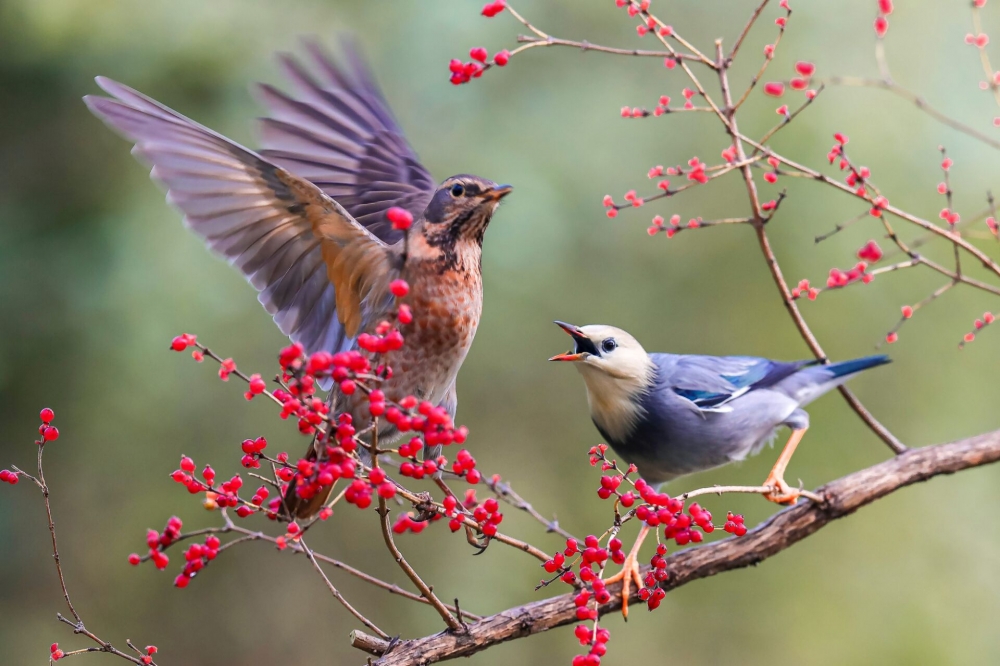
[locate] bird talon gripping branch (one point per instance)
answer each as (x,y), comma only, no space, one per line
(630,571)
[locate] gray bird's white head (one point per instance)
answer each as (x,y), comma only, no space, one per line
(616,370)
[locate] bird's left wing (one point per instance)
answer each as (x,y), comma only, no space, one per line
(319,273)
(710,383)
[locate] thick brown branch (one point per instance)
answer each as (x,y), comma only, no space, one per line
(784,529)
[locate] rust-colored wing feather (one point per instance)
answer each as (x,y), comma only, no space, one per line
(319,273)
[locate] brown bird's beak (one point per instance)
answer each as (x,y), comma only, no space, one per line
(497,193)
(583,344)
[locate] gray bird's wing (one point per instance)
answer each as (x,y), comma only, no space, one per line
(320,274)
(339,133)
(710,383)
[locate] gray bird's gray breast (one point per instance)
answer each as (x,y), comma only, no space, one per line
(674,439)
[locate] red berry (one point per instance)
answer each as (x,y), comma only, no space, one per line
(478,53)
(50,434)
(47,415)
(399,288)
(806,69)
(257,385)
(491,9)
(401,218)
(881,26)
(774,88)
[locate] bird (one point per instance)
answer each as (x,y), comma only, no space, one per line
(306,222)
(673,414)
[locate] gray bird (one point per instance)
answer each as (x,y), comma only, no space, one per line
(673,414)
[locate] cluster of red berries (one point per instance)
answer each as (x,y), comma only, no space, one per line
(595,637)
(870,252)
(987,319)
(857,176)
(979,41)
(734,524)
(464,72)
(183,341)
(488,516)
(881,22)
(406,523)
(195,558)
(840,278)
(694,172)
(47,433)
(804,289)
(252,450)
(670,230)
(157,542)
(804,71)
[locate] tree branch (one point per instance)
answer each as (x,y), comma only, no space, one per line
(841,497)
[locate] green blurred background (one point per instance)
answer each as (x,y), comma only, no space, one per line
(97,274)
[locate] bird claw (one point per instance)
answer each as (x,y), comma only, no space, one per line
(480,544)
(630,572)
(781,492)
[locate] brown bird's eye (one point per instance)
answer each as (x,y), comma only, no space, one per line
(457,190)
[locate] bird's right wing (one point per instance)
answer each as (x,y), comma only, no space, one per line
(337,131)
(319,273)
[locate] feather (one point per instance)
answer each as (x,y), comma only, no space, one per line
(275,227)
(339,133)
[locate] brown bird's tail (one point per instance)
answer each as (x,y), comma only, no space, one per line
(297,508)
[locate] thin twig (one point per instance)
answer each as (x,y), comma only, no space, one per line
(587,46)
(336,593)
(425,590)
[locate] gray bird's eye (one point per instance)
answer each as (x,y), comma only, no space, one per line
(609,345)
(457,190)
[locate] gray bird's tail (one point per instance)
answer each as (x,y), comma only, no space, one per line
(847,368)
(813,381)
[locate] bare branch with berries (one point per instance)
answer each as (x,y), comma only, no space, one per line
(367,465)
(838,499)
(48,433)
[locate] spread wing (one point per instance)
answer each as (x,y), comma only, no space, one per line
(338,132)
(711,382)
(319,273)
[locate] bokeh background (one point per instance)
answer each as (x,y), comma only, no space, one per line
(97,274)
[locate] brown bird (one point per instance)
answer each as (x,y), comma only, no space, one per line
(305,221)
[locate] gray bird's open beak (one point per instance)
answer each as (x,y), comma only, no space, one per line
(497,193)
(584,346)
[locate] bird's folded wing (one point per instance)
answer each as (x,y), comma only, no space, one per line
(275,227)
(711,382)
(337,131)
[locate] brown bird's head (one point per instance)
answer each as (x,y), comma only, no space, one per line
(460,210)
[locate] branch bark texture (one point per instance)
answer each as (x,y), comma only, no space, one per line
(841,498)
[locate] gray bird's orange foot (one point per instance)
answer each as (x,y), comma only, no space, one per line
(630,571)
(781,492)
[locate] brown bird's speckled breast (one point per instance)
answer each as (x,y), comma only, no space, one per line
(446,298)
